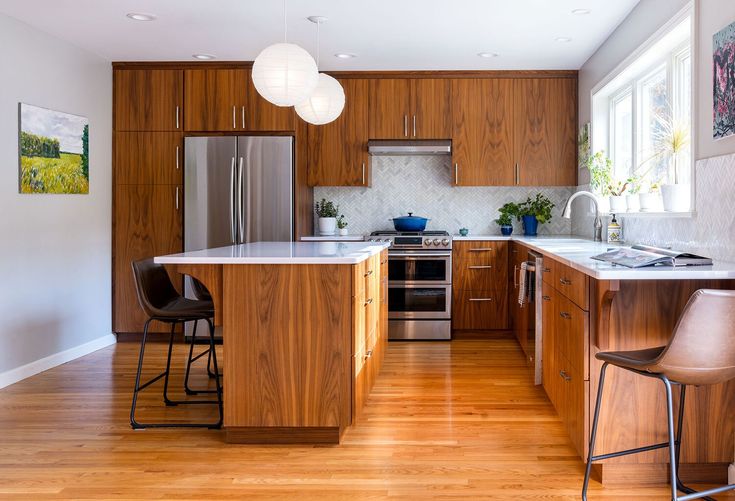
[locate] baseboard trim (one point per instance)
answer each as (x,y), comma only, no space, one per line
(31,369)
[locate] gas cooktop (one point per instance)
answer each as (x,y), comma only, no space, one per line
(413,240)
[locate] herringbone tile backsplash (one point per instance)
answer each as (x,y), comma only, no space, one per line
(423,185)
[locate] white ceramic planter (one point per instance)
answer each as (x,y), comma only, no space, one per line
(677,197)
(327,225)
(618,205)
(633,203)
(342,232)
(650,202)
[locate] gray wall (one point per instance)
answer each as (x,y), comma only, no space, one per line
(55,251)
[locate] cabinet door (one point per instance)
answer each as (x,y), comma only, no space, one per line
(550,377)
(480,310)
(337,153)
(148,100)
(431,116)
(148,222)
(390,108)
(215,100)
(482,132)
(261,115)
(148,158)
(545,131)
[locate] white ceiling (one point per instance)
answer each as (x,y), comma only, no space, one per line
(385,34)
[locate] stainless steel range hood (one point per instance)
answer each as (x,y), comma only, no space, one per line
(415,147)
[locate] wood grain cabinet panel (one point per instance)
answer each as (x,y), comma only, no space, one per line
(545,131)
(390,108)
(261,115)
(148,100)
(147,224)
(548,318)
(572,334)
(482,132)
(149,158)
(337,152)
(215,99)
(431,116)
(480,310)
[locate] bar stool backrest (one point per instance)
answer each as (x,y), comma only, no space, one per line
(702,348)
(200,291)
(153,286)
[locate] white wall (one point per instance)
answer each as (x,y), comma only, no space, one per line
(54,249)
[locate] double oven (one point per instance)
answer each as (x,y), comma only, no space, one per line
(419,284)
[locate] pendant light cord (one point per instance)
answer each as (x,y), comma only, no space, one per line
(285,24)
(317,45)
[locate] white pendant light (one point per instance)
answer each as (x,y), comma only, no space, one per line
(328,99)
(283,73)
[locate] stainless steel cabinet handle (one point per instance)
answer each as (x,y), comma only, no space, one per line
(368,354)
(564,314)
(456,173)
(547,270)
(243,117)
(478,299)
(239,202)
(518,174)
(177,158)
(368,273)
(234,118)
(363,173)
(369,301)
(515,276)
(565,376)
(565,281)
(232,201)
(177,198)
(405,125)
(177,117)
(546,298)
(414,126)
(480,267)
(482,249)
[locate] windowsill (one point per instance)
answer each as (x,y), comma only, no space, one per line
(661,214)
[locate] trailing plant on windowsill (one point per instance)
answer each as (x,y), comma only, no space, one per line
(600,167)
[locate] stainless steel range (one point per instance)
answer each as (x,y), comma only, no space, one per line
(419,284)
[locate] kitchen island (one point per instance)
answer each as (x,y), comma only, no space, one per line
(304,326)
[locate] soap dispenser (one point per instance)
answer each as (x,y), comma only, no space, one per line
(614,231)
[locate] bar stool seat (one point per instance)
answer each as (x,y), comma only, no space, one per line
(701,351)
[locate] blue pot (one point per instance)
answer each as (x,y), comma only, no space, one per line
(410,223)
(530,226)
(506,230)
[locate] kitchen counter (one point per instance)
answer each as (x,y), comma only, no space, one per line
(333,238)
(577,253)
(279,253)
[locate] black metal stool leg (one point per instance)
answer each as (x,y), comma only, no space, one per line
(169,402)
(672,439)
(213,353)
(192,359)
(593,433)
(137,388)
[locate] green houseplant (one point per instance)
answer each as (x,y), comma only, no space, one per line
(505,220)
(534,211)
(342,225)
(327,213)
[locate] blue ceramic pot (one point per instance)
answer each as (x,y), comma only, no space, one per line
(530,226)
(506,230)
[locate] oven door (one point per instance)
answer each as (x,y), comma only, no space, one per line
(419,301)
(420,267)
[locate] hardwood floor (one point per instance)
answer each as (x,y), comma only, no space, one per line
(459,420)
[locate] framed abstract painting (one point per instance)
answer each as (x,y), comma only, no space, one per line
(723,59)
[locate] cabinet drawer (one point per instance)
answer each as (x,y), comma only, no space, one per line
(573,393)
(573,284)
(571,334)
(480,310)
(549,271)
(479,277)
(480,252)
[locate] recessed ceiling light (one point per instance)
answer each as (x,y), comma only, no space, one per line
(581,12)
(204,57)
(345,55)
(137,16)
(563,39)
(488,54)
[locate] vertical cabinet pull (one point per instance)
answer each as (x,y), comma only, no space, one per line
(414,126)
(456,173)
(243,117)
(177,158)
(177,117)
(177,198)
(234,119)
(517,174)
(363,173)
(405,125)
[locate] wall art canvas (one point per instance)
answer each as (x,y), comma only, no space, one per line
(54,151)
(723,44)
(584,143)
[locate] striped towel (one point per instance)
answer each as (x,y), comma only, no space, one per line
(522,284)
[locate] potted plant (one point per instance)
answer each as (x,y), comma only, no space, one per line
(327,212)
(615,192)
(534,211)
(671,141)
(505,220)
(600,167)
(632,201)
(342,225)
(650,197)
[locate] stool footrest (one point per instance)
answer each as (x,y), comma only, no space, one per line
(708,492)
(646,448)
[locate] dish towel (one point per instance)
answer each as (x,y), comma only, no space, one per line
(522,283)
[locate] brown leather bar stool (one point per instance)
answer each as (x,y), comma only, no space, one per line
(160,301)
(700,352)
(202,294)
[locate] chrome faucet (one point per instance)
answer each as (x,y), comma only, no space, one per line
(598,221)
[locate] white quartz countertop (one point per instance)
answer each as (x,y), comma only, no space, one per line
(577,253)
(333,238)
(279,253)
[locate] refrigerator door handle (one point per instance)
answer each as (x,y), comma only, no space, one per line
(232,201)
(241,238)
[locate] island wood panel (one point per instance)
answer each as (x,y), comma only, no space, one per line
(390,108)
(261,115)
(545,131)
(210,276)
(643,315)
(482,132)
(338,150)
(214,99)
(147,224)
(287,348)
(430,109)
(149,158)
(148,99)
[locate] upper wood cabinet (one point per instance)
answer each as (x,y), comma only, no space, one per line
(402,108)
(337,154)
(148,100)
(482,132)
(220,100)
(148,157)
(545,131)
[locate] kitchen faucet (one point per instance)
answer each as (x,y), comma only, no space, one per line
(598,221)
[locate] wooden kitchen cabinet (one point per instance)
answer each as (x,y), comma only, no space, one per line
(545,137)
(482,132)
(403,108)
(221,100)
(148,222)
(148,158)
(337,151)
(148,99)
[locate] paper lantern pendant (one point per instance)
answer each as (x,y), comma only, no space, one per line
(325,104)
(285,74)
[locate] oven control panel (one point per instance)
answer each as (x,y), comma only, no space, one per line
(414,242)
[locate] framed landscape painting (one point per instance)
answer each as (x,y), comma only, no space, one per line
(723,60)
(54,151)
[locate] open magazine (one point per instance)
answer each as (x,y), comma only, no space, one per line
(639,256)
